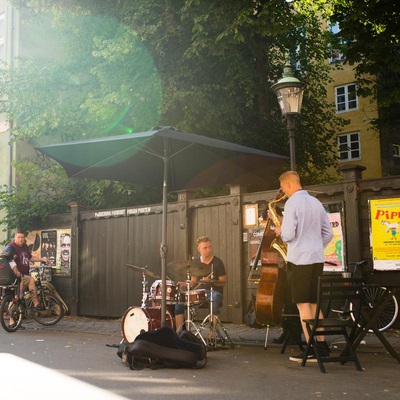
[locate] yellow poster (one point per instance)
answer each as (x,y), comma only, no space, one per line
(385,234)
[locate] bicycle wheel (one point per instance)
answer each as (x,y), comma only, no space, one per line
(10,309)
(53,310)
(389,314)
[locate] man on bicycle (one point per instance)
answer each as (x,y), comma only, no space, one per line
(18,252)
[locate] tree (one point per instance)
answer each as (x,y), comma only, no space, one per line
(202,67)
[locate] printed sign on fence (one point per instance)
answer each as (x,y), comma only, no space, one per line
(385,235)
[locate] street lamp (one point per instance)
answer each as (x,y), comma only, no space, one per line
(289,91)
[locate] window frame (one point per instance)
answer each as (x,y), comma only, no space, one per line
(352,146)
(348,90)
(396,150)
(2,36)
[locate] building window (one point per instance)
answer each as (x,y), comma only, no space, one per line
(346,98)
(396,150)
(2,36)
(336,43)
(349,147)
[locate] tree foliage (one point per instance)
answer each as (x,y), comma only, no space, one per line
(204,67)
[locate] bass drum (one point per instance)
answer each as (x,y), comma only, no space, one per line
(136,320)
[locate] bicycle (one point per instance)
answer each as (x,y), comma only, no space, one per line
(20,306)
(371,296)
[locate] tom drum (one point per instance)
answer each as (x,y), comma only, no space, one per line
(136,320)
(170,293)
(195,296)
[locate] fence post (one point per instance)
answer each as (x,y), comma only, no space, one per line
(352,174)
(76,208)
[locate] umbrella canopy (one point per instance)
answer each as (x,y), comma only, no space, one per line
(194,160)
(169,158)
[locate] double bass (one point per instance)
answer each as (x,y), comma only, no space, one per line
(270,297)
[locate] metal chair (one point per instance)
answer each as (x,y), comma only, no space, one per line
(341,290)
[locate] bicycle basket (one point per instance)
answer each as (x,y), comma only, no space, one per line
(7,276)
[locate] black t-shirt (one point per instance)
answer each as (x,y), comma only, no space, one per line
(218,268)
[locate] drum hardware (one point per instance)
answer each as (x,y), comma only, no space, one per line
(213,322)
(189,322)
(144,290)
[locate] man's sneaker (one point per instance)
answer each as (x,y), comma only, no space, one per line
(299,358)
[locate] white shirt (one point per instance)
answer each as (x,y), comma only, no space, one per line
(306,229)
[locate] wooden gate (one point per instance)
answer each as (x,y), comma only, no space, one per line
(107,286)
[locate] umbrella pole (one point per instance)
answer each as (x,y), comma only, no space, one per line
(164,247)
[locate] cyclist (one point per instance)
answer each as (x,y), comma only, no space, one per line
(19,255)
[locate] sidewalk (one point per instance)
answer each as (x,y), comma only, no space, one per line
(241,335)
(80,347)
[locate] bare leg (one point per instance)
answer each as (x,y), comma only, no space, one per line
(33,290)
(307,311)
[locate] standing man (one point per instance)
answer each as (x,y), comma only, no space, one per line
(307,231)
(218,276)
(18,252)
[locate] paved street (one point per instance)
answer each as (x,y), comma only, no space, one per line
(77,348)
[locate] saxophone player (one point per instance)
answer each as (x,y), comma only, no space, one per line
(306,230)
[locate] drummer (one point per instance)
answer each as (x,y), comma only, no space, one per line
(217,273)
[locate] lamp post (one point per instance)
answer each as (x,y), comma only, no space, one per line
(289,91)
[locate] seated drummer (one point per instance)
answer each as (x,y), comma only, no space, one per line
(219,274)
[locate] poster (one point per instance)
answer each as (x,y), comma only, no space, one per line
(334,252)
(63,263)
(49,245)
(54,244)
(385,235)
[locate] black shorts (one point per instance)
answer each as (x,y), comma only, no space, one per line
(303,282)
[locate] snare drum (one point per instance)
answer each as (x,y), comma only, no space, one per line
(170,295)
(136,320)
(195,296)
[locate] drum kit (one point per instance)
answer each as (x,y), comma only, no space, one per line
(148,316)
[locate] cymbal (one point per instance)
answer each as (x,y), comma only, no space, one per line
(144,271)
(195,268)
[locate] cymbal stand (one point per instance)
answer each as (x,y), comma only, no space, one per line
(188,323)
(144,292)
(214,324)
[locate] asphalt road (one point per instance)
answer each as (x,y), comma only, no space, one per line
(246,371)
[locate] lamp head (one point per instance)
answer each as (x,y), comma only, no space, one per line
(289,91)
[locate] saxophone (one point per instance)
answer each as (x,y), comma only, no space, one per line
(277,244)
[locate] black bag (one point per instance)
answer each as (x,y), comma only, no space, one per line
(164,348)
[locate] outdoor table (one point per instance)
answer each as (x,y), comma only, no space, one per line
(369,317)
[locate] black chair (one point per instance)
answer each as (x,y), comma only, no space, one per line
(338,290)
(292,327)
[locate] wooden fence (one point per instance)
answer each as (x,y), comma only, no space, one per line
(103,242)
